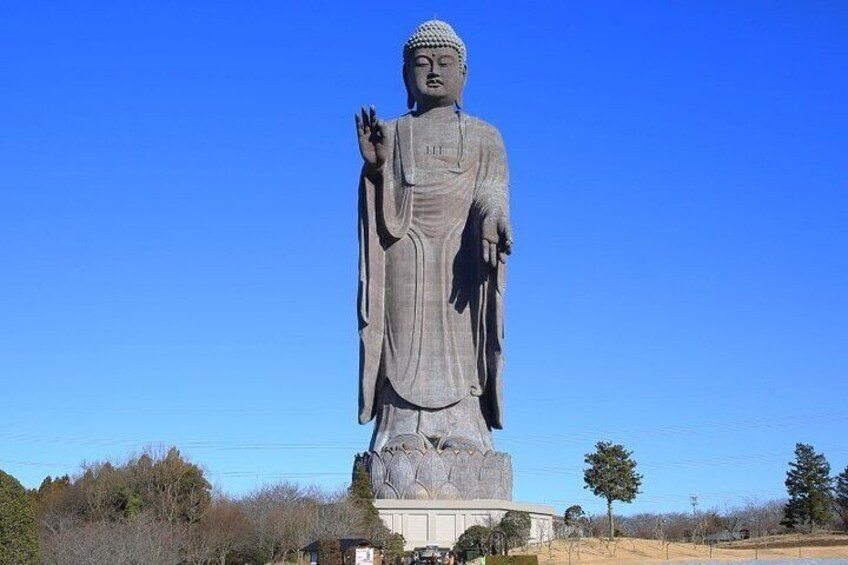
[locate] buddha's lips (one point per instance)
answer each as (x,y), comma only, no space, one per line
(435,82)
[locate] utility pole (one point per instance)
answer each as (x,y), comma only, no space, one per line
(693,500)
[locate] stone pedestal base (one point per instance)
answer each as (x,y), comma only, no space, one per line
(439,474)
(441,522)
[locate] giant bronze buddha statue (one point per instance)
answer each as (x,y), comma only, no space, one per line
(434,235)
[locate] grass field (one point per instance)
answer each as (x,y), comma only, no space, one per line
(631,550)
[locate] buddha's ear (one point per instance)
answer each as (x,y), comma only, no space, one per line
(410,100)
(462,86)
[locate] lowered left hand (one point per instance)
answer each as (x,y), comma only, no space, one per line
(497,239)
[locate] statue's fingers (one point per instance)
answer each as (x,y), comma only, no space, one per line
(373,112)
(485,251)
(359,129)
(366,123)
(493,254)
(508,234)
(377,128)
(505,235)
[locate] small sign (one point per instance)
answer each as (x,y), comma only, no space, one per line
(364,556)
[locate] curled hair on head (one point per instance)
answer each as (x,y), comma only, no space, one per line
(435,33)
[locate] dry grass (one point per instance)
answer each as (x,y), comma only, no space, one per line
(631,550)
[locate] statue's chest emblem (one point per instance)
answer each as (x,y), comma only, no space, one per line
(436,152)
(426,148)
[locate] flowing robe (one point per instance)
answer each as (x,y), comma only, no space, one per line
(430,310)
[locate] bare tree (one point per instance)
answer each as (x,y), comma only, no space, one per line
(676,526)
(141,539)
(285,517)
(595,524)
(222,531)
(561,528)
(642,525)
(269,511)
(338,516)
(659,529)
(762,518)
(547,537)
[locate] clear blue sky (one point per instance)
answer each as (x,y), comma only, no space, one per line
(178,234)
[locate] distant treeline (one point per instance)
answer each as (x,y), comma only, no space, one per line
(159,508)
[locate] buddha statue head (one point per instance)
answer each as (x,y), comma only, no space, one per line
(434,66)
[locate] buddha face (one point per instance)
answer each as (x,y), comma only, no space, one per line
(434,76)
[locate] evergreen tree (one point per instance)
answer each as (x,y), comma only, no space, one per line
(393,549)
(841,496)
(573,515)
(612,475)
(164,483)
(18,528)
(363,498)
(808,483)
(51,497)
(574,520)
(477,539)
(515,525)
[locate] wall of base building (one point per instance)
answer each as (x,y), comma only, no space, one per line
(441,522)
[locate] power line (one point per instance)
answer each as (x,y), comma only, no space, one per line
(741,425)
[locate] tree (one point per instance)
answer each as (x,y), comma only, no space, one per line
(174,487)
(612,475)
(18,528)
(809,486)
(340,517)
(515,525)
(393,549)
(840,497)
(372,526)
(547,535)
(574,518)
(363,499)
(49,493)
(330,552)
(762,517)
(277,514)
(139,539)
(642,525)
(223,530)
(477,539)
(162,482)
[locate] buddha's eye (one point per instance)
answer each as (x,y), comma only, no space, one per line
(445,61)
(422,61)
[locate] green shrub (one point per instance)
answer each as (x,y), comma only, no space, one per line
(512,560)
(18,528)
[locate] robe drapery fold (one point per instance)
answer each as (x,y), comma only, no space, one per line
(430,310)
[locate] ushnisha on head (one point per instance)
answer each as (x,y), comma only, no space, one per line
(435,33)
(434,66)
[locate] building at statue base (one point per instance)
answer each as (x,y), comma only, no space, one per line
(441,522)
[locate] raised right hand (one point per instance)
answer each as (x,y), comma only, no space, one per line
(372,141)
